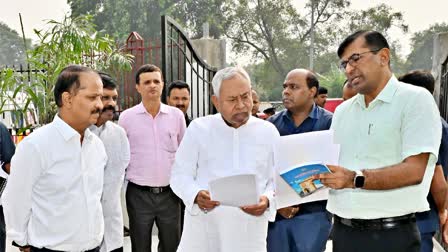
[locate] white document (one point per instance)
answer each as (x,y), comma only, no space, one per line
(298,149)
(238,190)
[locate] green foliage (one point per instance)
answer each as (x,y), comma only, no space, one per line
(422,47)
(13,98)
(12,50)
(333,81)
(72,41)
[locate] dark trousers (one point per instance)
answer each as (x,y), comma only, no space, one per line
(2,231)
(146,207)
(403,238)
(427,244)
(306,232)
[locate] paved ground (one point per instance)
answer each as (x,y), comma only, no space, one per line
(127,245)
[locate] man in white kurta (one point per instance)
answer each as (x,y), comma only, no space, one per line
(117,148)
(225,144)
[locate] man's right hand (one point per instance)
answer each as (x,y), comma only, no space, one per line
(204,202)
(288,212)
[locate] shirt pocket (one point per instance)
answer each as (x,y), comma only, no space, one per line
(169,142)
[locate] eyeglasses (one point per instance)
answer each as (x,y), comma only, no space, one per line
(353,60)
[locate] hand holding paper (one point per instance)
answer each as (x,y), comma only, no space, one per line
(258,209)
(339,178)
(204,202)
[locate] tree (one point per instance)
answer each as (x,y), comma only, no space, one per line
(71,41)
(118,18)
(422,47)
(12,49)
(273,30)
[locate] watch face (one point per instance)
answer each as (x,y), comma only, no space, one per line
(359,181)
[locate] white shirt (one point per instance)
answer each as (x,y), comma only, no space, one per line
(209,150)
(117,149)
(402,121)
(53,196)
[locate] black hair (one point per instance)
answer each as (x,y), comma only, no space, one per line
(108,81)
(420,78)
(374,41)
(322,90)
(68,80)
(312,81)
(178,84)
(148,68)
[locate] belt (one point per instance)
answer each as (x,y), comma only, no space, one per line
(152,189)
(34,249)
(377,224)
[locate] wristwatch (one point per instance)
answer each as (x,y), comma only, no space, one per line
(359,179)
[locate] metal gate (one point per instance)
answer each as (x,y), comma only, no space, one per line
(181,62)
(443,102)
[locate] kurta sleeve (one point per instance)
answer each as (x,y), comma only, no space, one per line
(183,173)
(270,185)
(26,167)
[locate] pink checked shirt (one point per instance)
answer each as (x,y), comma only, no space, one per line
(153,142)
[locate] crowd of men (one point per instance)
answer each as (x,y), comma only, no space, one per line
(388,193)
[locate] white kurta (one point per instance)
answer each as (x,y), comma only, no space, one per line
(209,150)
(117,149)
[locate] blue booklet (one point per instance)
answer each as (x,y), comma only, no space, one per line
(300,178)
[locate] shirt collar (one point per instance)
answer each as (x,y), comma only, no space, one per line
(142,110)
(314,113)
(386,95)
(67,131)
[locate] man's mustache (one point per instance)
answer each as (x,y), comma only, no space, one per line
(110,107)
(180,106)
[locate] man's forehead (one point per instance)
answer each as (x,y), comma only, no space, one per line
(89,80)
(108,91)
(295,78)
(151,76)
(180,91)
(355,47)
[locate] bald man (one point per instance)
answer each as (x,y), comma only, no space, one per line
(304,227)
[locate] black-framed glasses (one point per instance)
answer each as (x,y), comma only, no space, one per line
(353,60)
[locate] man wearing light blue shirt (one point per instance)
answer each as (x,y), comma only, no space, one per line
(389,135)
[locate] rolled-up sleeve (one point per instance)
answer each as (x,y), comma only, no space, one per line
(26,167)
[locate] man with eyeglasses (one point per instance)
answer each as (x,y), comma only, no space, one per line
(389,136)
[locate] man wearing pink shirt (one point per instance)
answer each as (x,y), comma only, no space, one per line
(154,131)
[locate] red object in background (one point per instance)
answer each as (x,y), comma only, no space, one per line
(332,103)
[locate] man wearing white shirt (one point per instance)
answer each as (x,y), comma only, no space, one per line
(117,149)
(225,144)
(389,135)
(52,201)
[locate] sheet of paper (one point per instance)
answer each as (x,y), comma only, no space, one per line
(238,190)
(303,148)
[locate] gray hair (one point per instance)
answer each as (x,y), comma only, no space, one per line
(227,74)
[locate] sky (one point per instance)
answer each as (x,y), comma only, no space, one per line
(418,14)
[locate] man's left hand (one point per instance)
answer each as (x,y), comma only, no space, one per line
(339,177)
(258,209)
